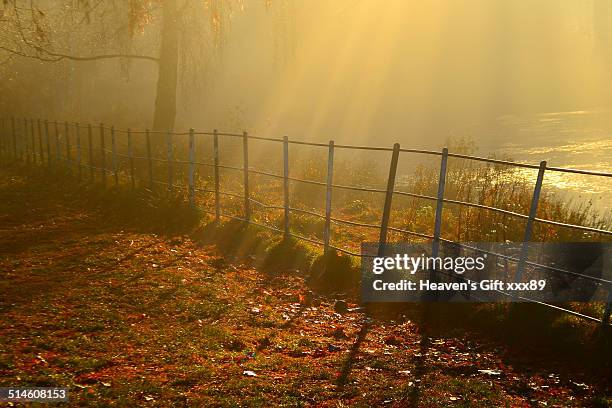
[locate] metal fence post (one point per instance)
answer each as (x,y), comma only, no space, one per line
(58,154)
(131,158)
(20,140)
(435,246)
(77,129)
(33,139)
(40,141)
(217,176)
(191,169)
(7,142)
(48,142)
(67,130)
(90,148)
(103,151)
(6,138)
(328,197)
(114,155)
(14,137)
(286,184)
(245,162)
(529,226)
(384,225)
(149,158)
(3,136)
(170,159)
(25,143)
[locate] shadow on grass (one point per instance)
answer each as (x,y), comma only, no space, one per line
(350,359)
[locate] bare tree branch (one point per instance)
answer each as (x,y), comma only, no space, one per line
(54,56)
(43,54)
(22,54)
(101,56)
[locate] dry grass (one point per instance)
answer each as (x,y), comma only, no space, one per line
(125,308)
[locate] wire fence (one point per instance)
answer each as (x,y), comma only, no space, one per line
(40,141)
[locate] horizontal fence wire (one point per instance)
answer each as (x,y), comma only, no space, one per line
(355,188)
(25,147)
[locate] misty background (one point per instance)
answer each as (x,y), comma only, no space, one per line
(526,79)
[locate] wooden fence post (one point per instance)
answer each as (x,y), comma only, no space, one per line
(77,129)
(328,197)
(217,176)
(103,152)
(90,148)
(131,158)
(191,169)
(170,160)
(40,141)
(529,225)
(114,156)
(286,184)
(149,158)
(435,247)
(245,162)
(67,130)
(48,142)
(384,225)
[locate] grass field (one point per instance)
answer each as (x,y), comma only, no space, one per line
(136,314)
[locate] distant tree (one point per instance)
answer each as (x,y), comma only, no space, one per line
(86,30)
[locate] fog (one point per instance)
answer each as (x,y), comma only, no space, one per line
(358,71)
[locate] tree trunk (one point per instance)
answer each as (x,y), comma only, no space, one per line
(165,100)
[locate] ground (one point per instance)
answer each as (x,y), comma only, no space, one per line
(126,317)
